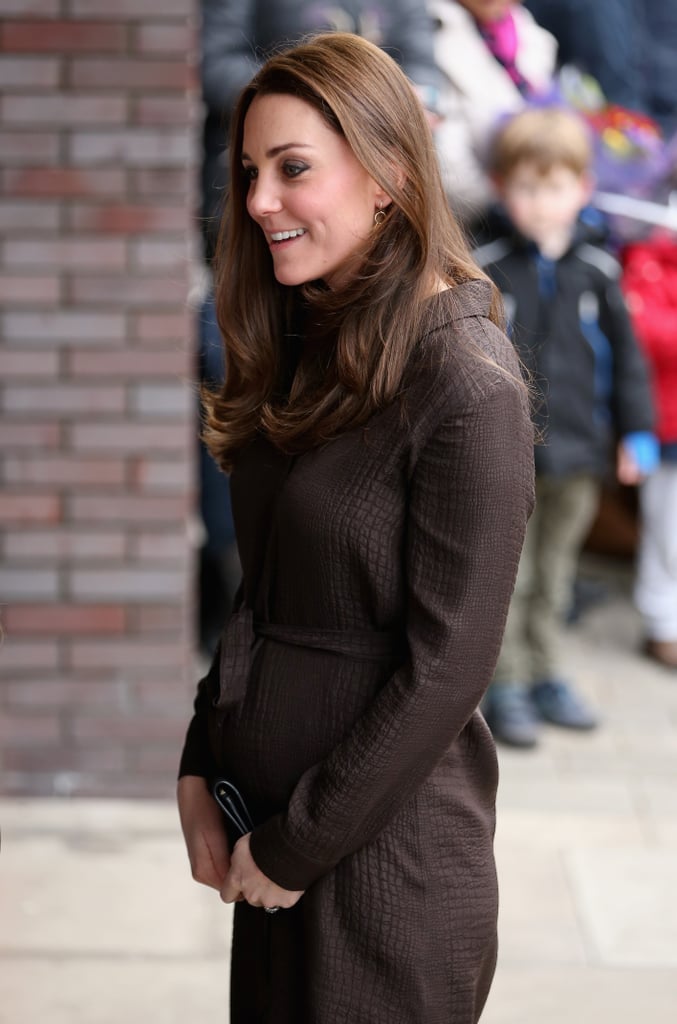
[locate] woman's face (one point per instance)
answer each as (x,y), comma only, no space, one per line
(488,10)
(311,197)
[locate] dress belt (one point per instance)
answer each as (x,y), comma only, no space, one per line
(367,644)
(243,635)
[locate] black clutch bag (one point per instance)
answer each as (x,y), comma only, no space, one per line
(231,802)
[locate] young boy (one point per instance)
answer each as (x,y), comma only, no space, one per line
(571,328)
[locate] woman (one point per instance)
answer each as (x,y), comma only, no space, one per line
(376,430)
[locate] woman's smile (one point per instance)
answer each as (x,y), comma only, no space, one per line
(283,236)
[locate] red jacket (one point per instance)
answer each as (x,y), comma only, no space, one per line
(650,286)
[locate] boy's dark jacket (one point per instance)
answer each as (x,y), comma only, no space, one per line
(570,325)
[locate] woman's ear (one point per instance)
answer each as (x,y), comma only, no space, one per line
(383,199)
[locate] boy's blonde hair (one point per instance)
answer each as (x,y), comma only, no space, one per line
(546,137)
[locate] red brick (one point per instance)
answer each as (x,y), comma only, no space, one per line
(28,72)
(160,253)
(126,654)
(128,508)
(21,216)
(160,759)
(167,477)
(65,618)
(158,182)
(33,291)
(134,147)
(128,362)
(27,655)
(129,291)
(133,586)
(67,401)
(18,730)
(29,435)
(129,437)
(114,219)
(178,38)
(74,253)
(132,9)
(64,109)
(29,147)
(18,363)
(29,508)
(158,619)
(100,73)
(161,110)
(160,326)
(129,786)
(163,401)
(61,691)
(140,729)
(56,760)
(30,7)
(65,544)
(154,694)
(65,182)
(54,36)
(159,546)
(28,584)
(64,327)
(64,471)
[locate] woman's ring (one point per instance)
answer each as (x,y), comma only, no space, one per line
(271,910)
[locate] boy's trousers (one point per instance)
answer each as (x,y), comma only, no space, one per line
(564,512)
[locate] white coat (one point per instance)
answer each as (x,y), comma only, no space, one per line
(476,91)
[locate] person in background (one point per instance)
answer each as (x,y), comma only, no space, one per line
(628,46)
(571,328)
(493,57)
(377,432)
(650,285)
(236,35)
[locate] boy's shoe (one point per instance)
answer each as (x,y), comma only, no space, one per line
(558,703)
(510,715)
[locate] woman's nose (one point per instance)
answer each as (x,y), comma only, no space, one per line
(263,197)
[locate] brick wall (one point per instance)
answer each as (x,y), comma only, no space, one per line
(96,451)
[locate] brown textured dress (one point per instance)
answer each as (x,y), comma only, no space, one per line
(343,701)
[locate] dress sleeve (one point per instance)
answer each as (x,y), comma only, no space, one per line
(470,495)
(196,758)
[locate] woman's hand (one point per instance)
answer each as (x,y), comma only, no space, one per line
(204,831)
(246,881)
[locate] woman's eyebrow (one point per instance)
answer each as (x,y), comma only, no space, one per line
(276,150)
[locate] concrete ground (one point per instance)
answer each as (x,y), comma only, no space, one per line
(101,923)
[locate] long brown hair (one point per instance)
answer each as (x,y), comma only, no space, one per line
(376,319)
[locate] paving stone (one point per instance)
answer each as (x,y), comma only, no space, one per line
(93,990)
(627,899)
(531,994)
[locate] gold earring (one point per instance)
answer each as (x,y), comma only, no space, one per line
(379,216)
